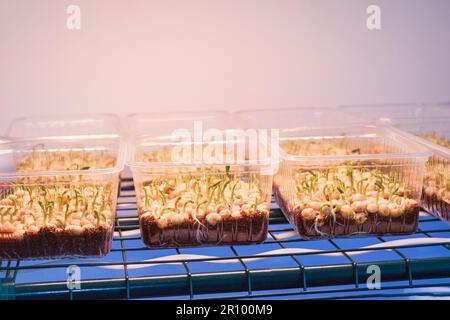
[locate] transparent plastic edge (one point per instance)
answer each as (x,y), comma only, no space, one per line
(359,110)
(262,164)
(433,147)
(120,165)
(54,118)
(134,118)
(357,121)
(383,130)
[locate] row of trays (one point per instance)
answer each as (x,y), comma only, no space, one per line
(202,180)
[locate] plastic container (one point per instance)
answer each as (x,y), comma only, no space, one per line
(427,124)
(349,181)
(435,136)
(102,125)
(186,200)
(58,196)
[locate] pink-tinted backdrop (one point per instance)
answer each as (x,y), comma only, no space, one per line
(136,55)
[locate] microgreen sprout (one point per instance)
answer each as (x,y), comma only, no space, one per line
(4,212)
(44,210)
(186,204)
(66,214)
(163,197)
(145,197)
(233,190)
(200,204)
(225,185)
(94,202)
(361,187)
(176,203)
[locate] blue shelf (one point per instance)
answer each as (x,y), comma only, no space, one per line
(284,266)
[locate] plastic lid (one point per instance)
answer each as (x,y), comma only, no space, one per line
(65,125)
(440,127)
(393,114)
(298,118)
(162,154)
(164,124)
(12,152)
(364,138)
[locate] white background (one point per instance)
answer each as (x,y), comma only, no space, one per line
(135,56)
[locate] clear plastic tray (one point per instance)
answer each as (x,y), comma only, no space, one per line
(107,125)
(435,136)
(349,181)
(190,201)
(430,121)
(58,196)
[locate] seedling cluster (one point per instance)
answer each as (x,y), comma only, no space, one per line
(436,190)
(329,147)
(41,159)
(73,208)
(436,185)
(202,202)
(35,207)
(342,200)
